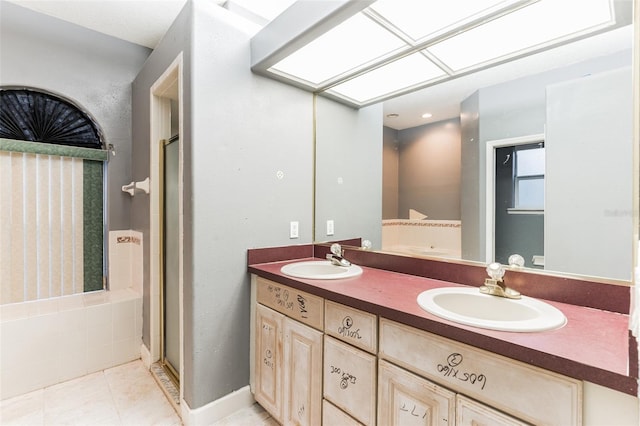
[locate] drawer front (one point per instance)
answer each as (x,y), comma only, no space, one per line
(527,392)
(333,416)
(301,306)
(350,380)
(405,399)
(351,325)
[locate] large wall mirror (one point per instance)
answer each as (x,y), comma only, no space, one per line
(531,157)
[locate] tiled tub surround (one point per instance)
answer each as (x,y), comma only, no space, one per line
(594,345)
(423,237)
(50,341)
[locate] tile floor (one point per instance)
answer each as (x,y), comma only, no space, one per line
(126,395)
(123,395)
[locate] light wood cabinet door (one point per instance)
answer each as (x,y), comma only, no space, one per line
(302,374)
(473,413)
(268,360)
(405,399)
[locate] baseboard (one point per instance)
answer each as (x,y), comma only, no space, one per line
(218,409)
(145,356)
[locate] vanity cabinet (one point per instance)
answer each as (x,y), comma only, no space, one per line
(287,372)
(319,362)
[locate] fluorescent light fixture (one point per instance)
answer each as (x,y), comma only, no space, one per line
(531,26)
(347,46)
(393,47)
(419,18)
(406,72)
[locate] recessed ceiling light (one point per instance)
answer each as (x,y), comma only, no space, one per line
(393,115)
(427,115)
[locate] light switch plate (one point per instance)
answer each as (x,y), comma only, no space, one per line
(294,229)
(330,229)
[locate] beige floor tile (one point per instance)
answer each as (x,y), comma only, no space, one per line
(27,409)
(252,416)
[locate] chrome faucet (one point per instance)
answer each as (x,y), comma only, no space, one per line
(336,256)
(495,286)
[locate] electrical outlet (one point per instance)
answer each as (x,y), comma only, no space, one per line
(330,227)
(293,229)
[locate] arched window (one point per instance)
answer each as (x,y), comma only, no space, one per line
(34,116)
(52,168)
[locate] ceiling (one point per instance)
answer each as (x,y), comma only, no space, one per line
(144,22)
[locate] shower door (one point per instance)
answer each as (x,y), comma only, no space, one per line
(170,264)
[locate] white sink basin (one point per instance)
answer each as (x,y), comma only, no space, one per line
(470,307)
(320,270)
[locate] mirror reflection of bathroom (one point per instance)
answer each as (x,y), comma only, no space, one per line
(434,196)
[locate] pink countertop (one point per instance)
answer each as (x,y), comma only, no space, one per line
(592,346)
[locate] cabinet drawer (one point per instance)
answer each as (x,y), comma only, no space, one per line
(472,413)
(527,392)
(405,399)
(333,416)
(350,380)
(301,306)
(351,325)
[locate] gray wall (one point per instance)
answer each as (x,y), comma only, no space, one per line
(511,109)
(429,170)
(595,214)
(240,130)
(349,171)
(471,192)
(92,69)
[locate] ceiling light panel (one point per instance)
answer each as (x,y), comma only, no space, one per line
(535,25)
(419,18)
(398,75)
(348,46)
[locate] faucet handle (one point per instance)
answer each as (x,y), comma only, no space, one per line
(496,271)
(336,249)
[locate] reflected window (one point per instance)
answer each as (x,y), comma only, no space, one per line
(528,178)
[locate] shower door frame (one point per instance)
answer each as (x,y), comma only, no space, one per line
(160,128)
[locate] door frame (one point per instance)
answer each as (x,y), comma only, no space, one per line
(490,189)
(161,93)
